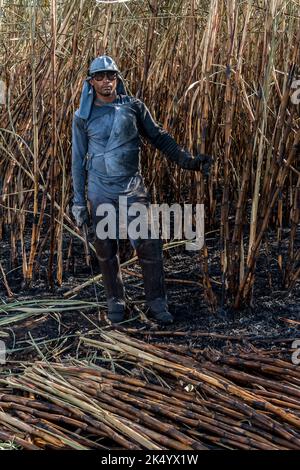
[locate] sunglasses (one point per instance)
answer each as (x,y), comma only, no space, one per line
(99,76)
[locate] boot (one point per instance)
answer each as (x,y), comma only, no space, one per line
(107,253)
(151,261)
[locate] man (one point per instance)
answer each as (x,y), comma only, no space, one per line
(106,145)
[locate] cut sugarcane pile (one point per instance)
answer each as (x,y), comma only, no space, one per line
(157,400)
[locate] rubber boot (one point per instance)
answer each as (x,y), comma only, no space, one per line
(107,253)
(151,261)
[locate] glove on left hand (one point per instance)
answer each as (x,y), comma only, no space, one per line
(201,162)
(205,162)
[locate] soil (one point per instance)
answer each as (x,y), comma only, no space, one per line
(272,321)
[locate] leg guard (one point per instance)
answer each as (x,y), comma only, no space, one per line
(107,253)
(151,261)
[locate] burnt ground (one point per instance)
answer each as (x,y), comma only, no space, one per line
(272,321)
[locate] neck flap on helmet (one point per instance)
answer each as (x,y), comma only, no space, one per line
(88,94)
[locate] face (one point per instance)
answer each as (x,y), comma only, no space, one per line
(107,86)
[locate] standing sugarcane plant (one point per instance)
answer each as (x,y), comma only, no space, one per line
(53,165)
(35,227)
(219,75)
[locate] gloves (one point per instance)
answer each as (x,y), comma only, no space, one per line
(80,214)
(204,162)
(201,162)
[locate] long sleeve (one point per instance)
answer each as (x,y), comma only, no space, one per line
(160,138)
(79,151)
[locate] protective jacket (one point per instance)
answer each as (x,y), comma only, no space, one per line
(106,146)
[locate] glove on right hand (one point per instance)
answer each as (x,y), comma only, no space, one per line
(80,214)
